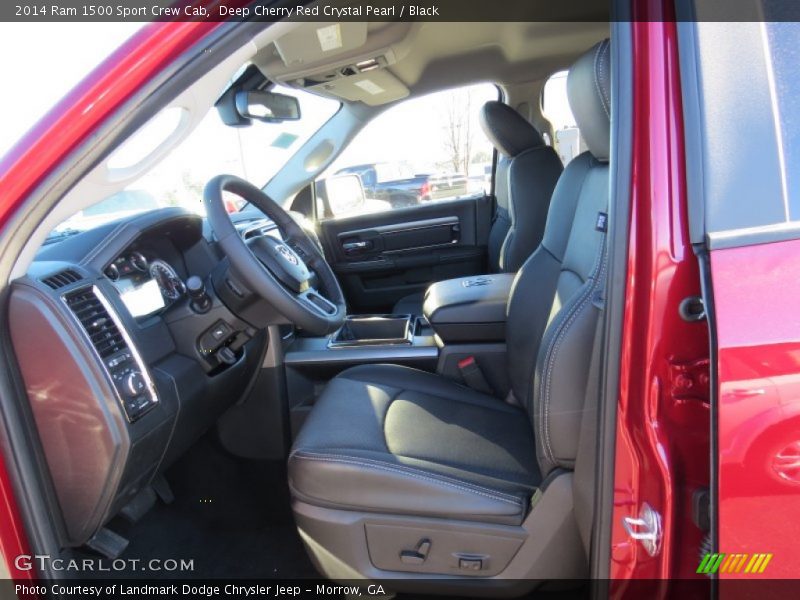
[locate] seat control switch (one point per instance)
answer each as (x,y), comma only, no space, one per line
(470,564)
(418,555)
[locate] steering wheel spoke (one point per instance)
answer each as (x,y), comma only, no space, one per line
(313,298)
(286,273)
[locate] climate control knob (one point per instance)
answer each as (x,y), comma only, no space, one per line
(135,384)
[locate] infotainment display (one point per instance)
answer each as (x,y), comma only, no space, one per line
(140,298)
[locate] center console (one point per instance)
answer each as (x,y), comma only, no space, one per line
(363,339)
(398,339)
(469,309)
(463,318)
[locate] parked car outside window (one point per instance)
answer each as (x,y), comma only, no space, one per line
(423,150)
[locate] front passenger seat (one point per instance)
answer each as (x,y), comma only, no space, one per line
(404,475)
(527,171)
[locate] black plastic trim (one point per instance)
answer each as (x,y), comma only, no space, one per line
(707,290)
(617,241)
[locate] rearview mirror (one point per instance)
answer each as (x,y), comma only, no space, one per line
(267,106)
(340,195)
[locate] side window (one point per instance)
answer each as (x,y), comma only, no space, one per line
(427,149)
(555,106)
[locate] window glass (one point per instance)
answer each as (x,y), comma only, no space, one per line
(785,56)
(255,153)
(427,149)
(555,106)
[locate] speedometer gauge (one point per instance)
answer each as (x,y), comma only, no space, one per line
(170,284)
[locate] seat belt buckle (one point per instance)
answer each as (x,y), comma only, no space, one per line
(473,376)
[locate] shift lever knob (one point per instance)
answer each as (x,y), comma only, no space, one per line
(196,290)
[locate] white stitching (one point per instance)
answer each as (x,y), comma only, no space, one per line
(501,257)
(597,85)
(405,471)
(560,338)
(552,352)
(415,475)
(544,386)
(409,469)
(602,77)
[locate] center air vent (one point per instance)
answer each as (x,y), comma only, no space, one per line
(101,329)
(62,279)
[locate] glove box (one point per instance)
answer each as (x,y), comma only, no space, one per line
(470,309)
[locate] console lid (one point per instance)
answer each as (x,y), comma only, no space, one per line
(469,309)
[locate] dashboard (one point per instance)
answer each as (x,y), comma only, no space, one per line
(123,368)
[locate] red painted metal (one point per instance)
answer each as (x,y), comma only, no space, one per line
(663,413)
(756,290)
(13,540)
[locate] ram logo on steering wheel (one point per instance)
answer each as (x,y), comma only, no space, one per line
(287,254)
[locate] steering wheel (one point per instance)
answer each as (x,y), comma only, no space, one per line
(292,274)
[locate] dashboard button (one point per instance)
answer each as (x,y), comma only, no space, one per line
(135,384)
(220,331)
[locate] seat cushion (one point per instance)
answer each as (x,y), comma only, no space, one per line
(395,440)
(409,305)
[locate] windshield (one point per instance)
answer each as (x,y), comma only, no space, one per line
(255,153)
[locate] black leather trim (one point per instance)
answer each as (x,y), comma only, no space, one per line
(532,177)
(409,305)
(508,130)
(589,92)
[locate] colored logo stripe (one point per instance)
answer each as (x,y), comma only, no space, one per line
(733,563)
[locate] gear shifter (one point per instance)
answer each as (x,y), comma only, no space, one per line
(200,301)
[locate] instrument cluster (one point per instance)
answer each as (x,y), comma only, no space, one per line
(146,285)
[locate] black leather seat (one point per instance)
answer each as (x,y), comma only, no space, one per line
(392,438)
(398,452)
(527,171)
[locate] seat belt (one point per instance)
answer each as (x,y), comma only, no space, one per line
(473,376)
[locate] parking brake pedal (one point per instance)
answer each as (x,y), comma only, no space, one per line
(107,543)
(418,555)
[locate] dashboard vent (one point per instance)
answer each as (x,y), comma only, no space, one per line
(96,321)
(61,279)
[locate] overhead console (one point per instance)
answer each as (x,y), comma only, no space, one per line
(344,60)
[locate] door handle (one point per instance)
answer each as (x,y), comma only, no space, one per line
(354,247)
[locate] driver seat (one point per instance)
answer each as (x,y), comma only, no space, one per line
(406,475)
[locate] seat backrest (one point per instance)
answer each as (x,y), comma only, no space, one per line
(527,171)
(551,315)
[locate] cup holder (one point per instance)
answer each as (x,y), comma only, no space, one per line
(374,330)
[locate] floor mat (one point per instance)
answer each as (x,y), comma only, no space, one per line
(231,516)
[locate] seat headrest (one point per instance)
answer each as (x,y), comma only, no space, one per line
(508,130)
(589,93)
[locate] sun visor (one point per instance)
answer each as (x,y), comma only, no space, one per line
(314,42)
